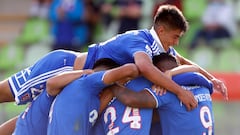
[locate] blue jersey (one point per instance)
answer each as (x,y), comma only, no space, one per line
(175,119)
(28,83)
(193,79)
(75,109)
(123,120)
(98,128)
(34,120)
(122,47)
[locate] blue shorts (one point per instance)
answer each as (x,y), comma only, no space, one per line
(28,83)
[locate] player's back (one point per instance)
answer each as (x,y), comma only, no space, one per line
(176,119)
(123,120)
(122,47)
(75,109)
(34,120)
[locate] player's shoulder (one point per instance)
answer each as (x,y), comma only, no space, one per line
(139,34)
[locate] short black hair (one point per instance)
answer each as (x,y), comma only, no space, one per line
(163,57)
(165,61)
(106,62)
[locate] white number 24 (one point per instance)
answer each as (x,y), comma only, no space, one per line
(131,115)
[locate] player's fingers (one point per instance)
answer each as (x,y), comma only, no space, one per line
(162,91)
(194,104)
(189,108)
(165,91)
(225,92)
(223,89)
(220,87)
(157,91)
(154,88)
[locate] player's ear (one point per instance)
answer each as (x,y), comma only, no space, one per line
(160,29)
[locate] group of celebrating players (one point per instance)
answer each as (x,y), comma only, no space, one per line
(116,87)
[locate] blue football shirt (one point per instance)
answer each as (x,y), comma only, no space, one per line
(123,120)
(75,109)
(175,119)
(122,47)
(34,120)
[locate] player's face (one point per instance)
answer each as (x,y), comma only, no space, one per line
(169,37)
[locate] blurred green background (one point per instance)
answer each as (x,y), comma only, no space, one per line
(23,41)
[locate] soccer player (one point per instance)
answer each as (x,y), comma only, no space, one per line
(175,119)
(34,120)
(25,85)
(76,108)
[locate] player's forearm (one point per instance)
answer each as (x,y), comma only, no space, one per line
(5,92)
(201,70)
(130,70)
(120,73)
(8,127)
(57,83)
(134,99)
(183,69)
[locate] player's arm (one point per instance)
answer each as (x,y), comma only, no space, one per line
(8,127)
(5,92)
(141,99)
(148,70)
(175,71)
(182,69)
(57,83)
(218,84)
(123,72)
(172,72)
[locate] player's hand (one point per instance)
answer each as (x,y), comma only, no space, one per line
(219,86)
(187,98)
(158,90)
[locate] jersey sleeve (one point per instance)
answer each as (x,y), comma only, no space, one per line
(139,44)
(95,81)
(193,79)
(172,51)
(160,100)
